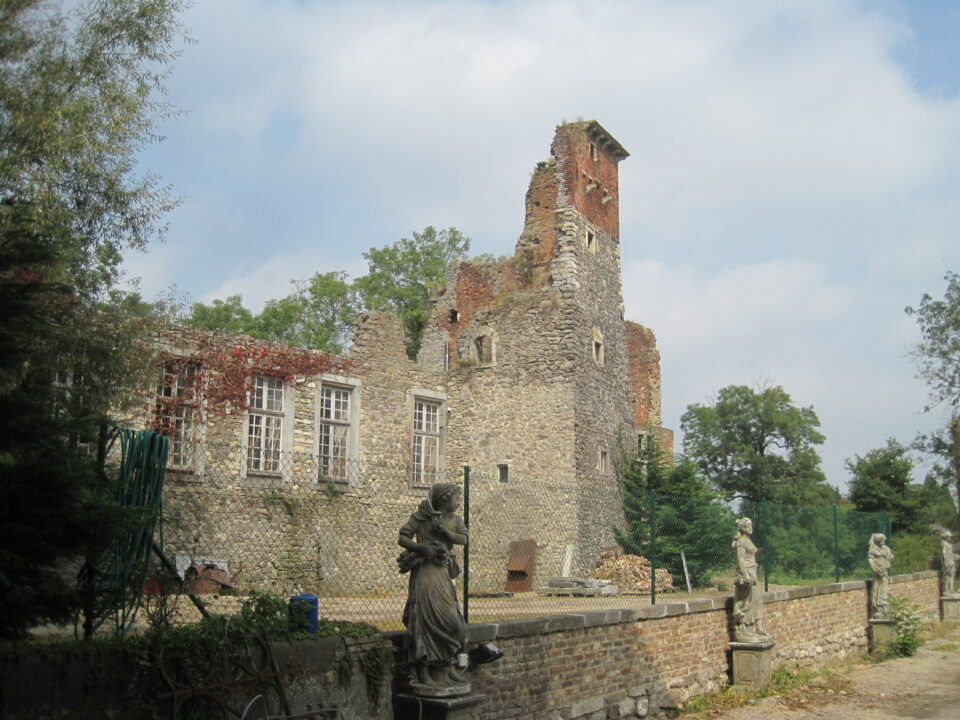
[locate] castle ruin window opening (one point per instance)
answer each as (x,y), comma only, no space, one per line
(426,441)
(594,152)
(603,461)
(335,431)
(591,241)
(503,472)
(454,316)
(483,346)
(178,413)
(265,420)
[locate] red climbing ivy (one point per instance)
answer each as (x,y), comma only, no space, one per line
(217,375)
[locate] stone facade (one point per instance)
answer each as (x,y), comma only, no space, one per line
(530,373)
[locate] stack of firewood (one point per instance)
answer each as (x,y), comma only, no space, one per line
(631,573)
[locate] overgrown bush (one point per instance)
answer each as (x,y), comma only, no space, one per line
(907,626)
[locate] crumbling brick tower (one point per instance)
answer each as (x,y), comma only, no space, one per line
(539,376)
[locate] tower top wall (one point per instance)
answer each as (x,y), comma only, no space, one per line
(581,173)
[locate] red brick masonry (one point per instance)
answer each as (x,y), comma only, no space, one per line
(626,663)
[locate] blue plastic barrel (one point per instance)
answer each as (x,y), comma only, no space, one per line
(306,605)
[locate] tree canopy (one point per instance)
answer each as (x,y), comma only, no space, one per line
(78,99)
(321,313)
(403,276)
(691,524)
(938,363)
(758,445)
(882,480)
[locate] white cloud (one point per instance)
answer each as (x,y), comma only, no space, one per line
(272,279)
(769,302)
(789,191)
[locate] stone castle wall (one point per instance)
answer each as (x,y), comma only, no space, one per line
(530,359)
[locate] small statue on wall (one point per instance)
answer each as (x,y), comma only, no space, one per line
(748,596)
(949,564)
(880,558)
(436,632)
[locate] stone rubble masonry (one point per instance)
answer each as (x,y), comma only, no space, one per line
(632,662)
(537,371)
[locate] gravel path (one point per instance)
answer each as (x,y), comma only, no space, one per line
(925,687)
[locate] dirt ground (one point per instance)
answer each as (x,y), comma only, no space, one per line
(924,687)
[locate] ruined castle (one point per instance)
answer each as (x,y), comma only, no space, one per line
(528,374)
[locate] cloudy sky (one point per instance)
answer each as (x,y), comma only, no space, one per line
(794,179)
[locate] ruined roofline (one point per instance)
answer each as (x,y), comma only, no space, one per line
(601,137)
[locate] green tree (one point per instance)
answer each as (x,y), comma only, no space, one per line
(691,521)
(320,314)
(757,444)
(882,481)
(938,363)
(228,316)
(403,276)
(77,102)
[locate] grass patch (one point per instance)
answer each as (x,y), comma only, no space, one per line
(795,688)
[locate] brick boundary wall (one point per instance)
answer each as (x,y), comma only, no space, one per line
(633,662)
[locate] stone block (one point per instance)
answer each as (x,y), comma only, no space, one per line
(625,708)
(752,664)
(951,608)
(643,705)
(881,633)
(466,707)
(586,707)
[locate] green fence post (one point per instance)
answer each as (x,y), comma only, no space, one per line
(764,520)
(836,543)
(653,547)
(466,545)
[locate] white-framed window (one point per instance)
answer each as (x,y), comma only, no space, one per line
(426,452)
(266,416)
(178,415)
(336,431)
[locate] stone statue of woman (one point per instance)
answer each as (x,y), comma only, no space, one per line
(436,632)
(880,558)
(748,597)
(949,566)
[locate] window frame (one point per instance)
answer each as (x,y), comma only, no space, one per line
(421,475)
(284,418)
(175,395)
(351,423)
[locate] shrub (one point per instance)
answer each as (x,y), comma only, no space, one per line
(907,625)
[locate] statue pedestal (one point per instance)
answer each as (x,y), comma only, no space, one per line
(881,633)
(752,664)
(950,607)
(464,707)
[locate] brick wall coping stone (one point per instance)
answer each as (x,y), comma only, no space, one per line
(489,631)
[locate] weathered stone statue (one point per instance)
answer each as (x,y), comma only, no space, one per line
(880,558)
(748,596)
(436,632)
(949,565)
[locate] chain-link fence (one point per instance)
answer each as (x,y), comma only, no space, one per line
(537,546)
